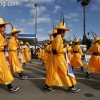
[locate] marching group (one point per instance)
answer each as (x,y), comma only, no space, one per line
(53,55)
(13,47)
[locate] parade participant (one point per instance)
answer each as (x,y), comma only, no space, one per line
(40,52)
(94,62)
(69,50)
(27,52)
(59,75)
(22,53)
(5,74)
(13,53)
(42,55)
(76,60)
(49,56)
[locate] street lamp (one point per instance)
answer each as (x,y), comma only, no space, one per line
(35,26)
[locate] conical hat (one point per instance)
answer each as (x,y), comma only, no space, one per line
(62,26)
(27,43)
(21,42)
(14,30)
(76,40)
(51,39)
(96,38)
(70,42)
(2,22)
(54,32)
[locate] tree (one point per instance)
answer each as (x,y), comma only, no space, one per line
(84,3)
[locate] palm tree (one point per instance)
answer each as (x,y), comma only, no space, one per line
(84,3)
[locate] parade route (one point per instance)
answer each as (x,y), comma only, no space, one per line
(32,87)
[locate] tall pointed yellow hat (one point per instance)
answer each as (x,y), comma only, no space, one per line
(96,38)
(70,42)
(2,22)
(27,43)
(62,24)
(21,42)
(51,39)
(14,30)
(75,39)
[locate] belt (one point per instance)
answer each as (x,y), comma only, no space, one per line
(54,52)
(75,51)
(2,51)
(95,53)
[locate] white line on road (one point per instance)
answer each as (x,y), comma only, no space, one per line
(45,78)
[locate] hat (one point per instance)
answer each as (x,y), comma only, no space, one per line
(76,40)
(96,38)
(62,24)
(21,42)
(70,42)
(27,43)
(14,30)
(51,39)
(54,32)
(2,22)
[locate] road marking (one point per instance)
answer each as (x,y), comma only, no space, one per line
(45,78)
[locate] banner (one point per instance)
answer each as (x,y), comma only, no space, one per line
(87,58)
(70,72)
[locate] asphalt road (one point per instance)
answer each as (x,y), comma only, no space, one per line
(32,88)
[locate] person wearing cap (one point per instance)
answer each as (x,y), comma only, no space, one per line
(14,46)
(76,60)
(94,62)
(5,74)
(69,50)
(59,75)
(27,52)
(22,53)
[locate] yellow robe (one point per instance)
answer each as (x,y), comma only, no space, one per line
(57,73)
(13,56)
(22,55)
(5,74)
(45,54)
(40,53)
(27,55)
(49,56)
(76,60)
(69,51)
(94,62)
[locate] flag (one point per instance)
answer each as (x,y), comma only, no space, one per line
(70,72)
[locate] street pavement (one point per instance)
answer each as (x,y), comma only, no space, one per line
(32,87)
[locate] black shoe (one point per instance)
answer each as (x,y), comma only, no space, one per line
(23,64)
(30,61)
(48,89)
(73,90)
(88,76)
(14,89)
(24,77)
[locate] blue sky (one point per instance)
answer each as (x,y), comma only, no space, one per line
(49,11)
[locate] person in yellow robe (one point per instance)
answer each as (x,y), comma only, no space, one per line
(5,74)
(59,75)
(13,46)
(76,60)
(27,52)
(40,52)
(49,56)
(69,50)
(22,53)
(94,62)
